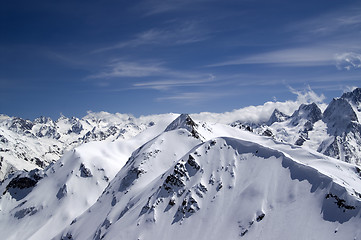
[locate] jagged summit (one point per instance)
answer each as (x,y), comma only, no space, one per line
(338,116)
(354,96)
(186,122)
(310,112)
(336,132)
(277,116)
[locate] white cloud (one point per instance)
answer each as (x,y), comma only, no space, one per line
(307,96)
(305,56)
(349,88)
(348,61)
(166,78)
(121,68)
(261,113)
(180,80)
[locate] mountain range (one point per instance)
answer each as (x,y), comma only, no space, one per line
(172,176)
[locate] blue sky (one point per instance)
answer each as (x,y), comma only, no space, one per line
(153,56)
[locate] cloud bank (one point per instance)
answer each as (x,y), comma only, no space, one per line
(261,113)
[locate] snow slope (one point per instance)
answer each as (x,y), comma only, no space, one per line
(176,178)
(38,204)
(241,186)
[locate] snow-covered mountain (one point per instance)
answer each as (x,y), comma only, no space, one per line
(185,179)
(29,144)
(173,177)
(336,132)
(25,145)
(39,203)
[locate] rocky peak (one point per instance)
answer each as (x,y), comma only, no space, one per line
(310,112)
(43,120)
(354,96)
(338,116)
(186,122)
(277,116)
(19,124)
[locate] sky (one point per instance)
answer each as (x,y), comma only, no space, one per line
(184,56)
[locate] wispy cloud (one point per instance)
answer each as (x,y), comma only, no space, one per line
(121,68)
(188,80)
(339,21)
(177,34)
(349,88)
(192,97)
(328,39)
(306,56)
(348,61)
(307,95)
(166,77)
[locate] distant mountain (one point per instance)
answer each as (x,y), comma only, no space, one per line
(29,144)
(336,132)
(277,116)
(26,145)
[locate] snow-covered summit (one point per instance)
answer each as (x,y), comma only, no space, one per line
(186,122)
(234,189)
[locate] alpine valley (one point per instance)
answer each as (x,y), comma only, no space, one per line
(113,176)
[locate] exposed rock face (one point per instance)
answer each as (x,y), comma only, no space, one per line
(277,116)
(186,122)
(354,96)
(310,112)
(339,115)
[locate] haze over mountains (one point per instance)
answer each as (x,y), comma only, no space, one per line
(113,176)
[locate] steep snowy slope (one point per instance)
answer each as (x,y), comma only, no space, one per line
(249,187)
(39,204)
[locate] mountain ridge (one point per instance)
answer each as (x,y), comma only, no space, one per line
(167,182)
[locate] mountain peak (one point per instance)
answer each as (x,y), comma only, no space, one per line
(354,96)
(277,116)
(186,122)
(338,115)
(310,112)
